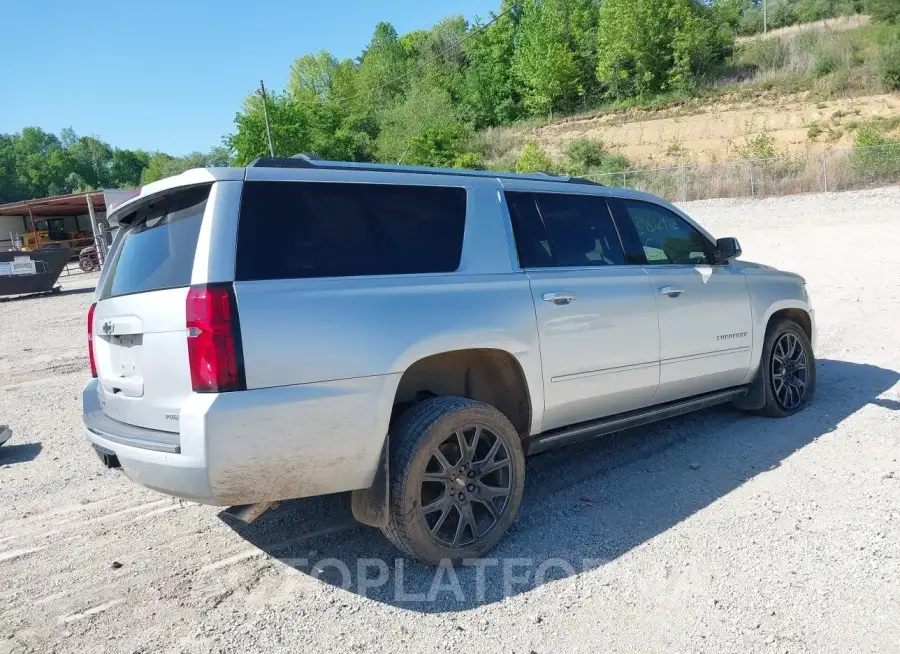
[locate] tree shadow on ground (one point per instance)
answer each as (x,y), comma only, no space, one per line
(584,505)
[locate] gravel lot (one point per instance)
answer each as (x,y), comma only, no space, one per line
(715,532)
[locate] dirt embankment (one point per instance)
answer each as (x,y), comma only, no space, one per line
(711,133)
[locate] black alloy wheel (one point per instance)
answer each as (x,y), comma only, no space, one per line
(466,486)
(790,371)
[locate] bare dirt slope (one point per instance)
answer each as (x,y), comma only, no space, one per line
(711,133)
(716,532)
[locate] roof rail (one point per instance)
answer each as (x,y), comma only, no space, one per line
(311,161)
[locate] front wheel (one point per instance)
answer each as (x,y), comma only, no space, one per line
(789,368)
(457,476)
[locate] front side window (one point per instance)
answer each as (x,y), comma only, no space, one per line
(558,230)
(664,236)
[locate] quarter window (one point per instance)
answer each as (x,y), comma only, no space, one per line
(290,230)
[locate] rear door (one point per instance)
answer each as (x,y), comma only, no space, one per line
(140,343)
(705,326)
(596,315)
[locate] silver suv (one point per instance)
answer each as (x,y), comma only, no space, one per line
(300,327)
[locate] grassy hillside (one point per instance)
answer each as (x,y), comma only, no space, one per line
(802,88)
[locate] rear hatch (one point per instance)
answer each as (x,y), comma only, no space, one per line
(139,331)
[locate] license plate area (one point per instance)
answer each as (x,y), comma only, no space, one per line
(125,354)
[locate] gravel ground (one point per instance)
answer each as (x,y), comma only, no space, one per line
(711,533)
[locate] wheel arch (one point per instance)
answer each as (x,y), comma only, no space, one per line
(798,315)
(490,375)
(794,311)
(791,308)
(493,375)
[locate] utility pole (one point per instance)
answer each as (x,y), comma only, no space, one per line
(765,17)
(262,91)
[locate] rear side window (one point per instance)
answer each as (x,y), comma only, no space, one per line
(532,241)
(291,230)
(157,249)
(558,230)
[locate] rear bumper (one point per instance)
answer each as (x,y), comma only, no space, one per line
(260,445)
(173,474)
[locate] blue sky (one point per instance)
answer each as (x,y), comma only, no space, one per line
(169,75)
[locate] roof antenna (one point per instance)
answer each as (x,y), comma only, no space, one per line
(262,92)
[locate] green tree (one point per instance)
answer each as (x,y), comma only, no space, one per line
(781,13)
(422,130)
(889,62)
(93,160)
(313,75)
(161,165)
(340,120)
(438,55)
(490,94)
(730,12)
(9,188)
(533,160)
(751,22)
(357,126)
(127,166)
(654,46)
(887,11)
(383,67)
(544,61)
(42,165)
(587,156)
(290,122)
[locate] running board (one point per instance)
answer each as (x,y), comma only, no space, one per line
(586,430)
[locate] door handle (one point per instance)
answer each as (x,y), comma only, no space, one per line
(671,291)
(559,298)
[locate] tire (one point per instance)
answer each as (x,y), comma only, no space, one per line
(428,468)
(785,340)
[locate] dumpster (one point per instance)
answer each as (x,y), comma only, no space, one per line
(31,272)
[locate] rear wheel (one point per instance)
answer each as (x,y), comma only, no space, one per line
(789,368)
(457,475)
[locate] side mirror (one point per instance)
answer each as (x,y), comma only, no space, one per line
(727,249)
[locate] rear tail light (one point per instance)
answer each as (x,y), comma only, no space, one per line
(213,339)
(91,340)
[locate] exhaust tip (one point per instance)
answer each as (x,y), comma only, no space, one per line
(247,513)
(108,457)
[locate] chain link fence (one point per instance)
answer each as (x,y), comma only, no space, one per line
(836,170)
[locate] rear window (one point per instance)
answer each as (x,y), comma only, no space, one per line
(157,249)
(291,230)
